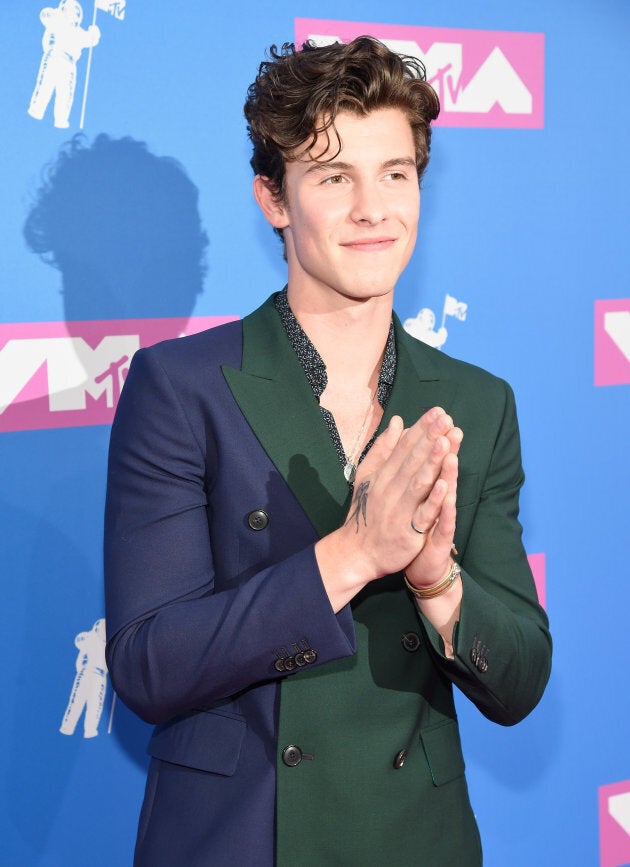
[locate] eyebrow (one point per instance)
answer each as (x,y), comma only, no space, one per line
(339,166)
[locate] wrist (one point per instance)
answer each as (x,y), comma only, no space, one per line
(343,567)
(437,588)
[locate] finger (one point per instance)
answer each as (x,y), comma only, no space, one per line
(431,415)
(431,563)
(429,511)
(434,422)
(444,530)
(426,514)
(455,437)
(450,470)
(382,447)
(423,470)
(422,442)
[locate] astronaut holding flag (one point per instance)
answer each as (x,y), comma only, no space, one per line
(63,41)
(423,327)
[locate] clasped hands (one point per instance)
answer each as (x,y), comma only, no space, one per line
(403,509)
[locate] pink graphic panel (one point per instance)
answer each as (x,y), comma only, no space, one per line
(70,374)
(538,566)
(614,825)
(484,78)
(612,342)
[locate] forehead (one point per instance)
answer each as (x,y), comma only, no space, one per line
(361,137)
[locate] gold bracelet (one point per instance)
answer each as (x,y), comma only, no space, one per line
(435,589)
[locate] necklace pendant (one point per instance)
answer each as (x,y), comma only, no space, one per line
(349,472)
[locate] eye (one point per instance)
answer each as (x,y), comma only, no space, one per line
(397,176)
(333,180)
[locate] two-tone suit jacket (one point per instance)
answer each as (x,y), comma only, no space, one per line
(286,733)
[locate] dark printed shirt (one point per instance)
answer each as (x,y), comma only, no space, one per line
(315,370)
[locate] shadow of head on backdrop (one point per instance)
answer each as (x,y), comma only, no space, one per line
(123,227)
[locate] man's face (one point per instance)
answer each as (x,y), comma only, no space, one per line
(350,225)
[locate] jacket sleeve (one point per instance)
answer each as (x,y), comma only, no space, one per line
(176,643)
(501,643)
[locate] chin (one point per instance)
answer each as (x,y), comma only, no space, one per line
(371,286)
(368,293)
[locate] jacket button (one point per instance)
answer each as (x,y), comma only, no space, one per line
(399,761)
(258,519)
(410,641)
(291,756)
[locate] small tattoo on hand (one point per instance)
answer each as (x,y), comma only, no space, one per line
(360,507)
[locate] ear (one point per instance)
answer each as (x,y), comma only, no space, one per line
(274,210)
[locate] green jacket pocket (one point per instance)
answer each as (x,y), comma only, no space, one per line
(443,752)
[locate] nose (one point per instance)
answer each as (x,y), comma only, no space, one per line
(368,205)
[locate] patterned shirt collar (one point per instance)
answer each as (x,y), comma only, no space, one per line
(313,364)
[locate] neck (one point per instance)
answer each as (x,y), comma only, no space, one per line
(351,340)
(349,335)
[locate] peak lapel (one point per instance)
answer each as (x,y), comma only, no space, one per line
(278,403)
(275,397)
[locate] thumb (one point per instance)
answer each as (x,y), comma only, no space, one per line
(383,446)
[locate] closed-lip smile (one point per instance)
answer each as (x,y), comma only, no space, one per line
(369,244)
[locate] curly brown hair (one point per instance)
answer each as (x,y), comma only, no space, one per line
(298,94)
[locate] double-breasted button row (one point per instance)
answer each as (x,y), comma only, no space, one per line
(292,756)
(304,655)
(411,643)
(479,655)
(258,519)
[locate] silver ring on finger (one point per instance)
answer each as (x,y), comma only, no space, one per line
(415,529)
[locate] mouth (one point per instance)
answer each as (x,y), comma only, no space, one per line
(369,245)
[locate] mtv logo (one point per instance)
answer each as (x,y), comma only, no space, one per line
(74,370)
(614,825)
(484,78)
(612,342)
(51,378)
(538,566)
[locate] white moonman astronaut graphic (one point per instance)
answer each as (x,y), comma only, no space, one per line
(422,327)
(63,41)
(90,682)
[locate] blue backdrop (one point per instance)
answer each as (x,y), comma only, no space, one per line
(523,258)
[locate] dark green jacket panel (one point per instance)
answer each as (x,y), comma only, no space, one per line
(347,802)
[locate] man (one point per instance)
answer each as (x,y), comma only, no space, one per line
(286,497)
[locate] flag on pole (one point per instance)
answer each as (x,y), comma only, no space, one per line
(453,307)
(116,8)
(113,7)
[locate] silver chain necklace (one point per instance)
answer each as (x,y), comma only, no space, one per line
(350,468)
